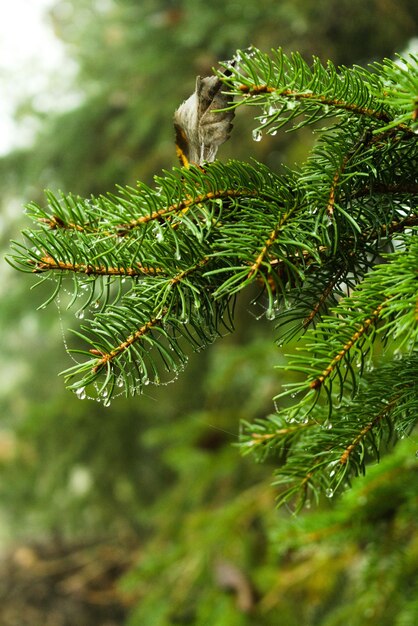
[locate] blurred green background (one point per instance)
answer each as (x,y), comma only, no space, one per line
(190,526)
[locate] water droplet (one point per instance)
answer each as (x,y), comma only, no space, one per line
(119,382)
(80,314)
(237,57)
(106,402)
(291,104)
(329,493)
(270,314)
(257,134)
(157,232)
(80,393)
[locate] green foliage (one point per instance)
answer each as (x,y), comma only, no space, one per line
(157,269)
(328,566)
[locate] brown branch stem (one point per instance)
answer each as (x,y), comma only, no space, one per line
(270,241)
(107,357)
(372,319)
(184,205)
(145,328)
(255,90)
(365,430)
(47,263)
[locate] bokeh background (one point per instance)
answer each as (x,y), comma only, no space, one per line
(144,512)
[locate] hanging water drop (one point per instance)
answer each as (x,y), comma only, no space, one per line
(329,493)
(80,314)
(157,232)
(257,134)
(236,60)
(80,393)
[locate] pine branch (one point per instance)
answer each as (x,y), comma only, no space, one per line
(287,87)
(321,457)
(156,269)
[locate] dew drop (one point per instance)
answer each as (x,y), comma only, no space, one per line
(270,314)
(80,393)
(80,314)
(329,493)
(238,57)
(257,134)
